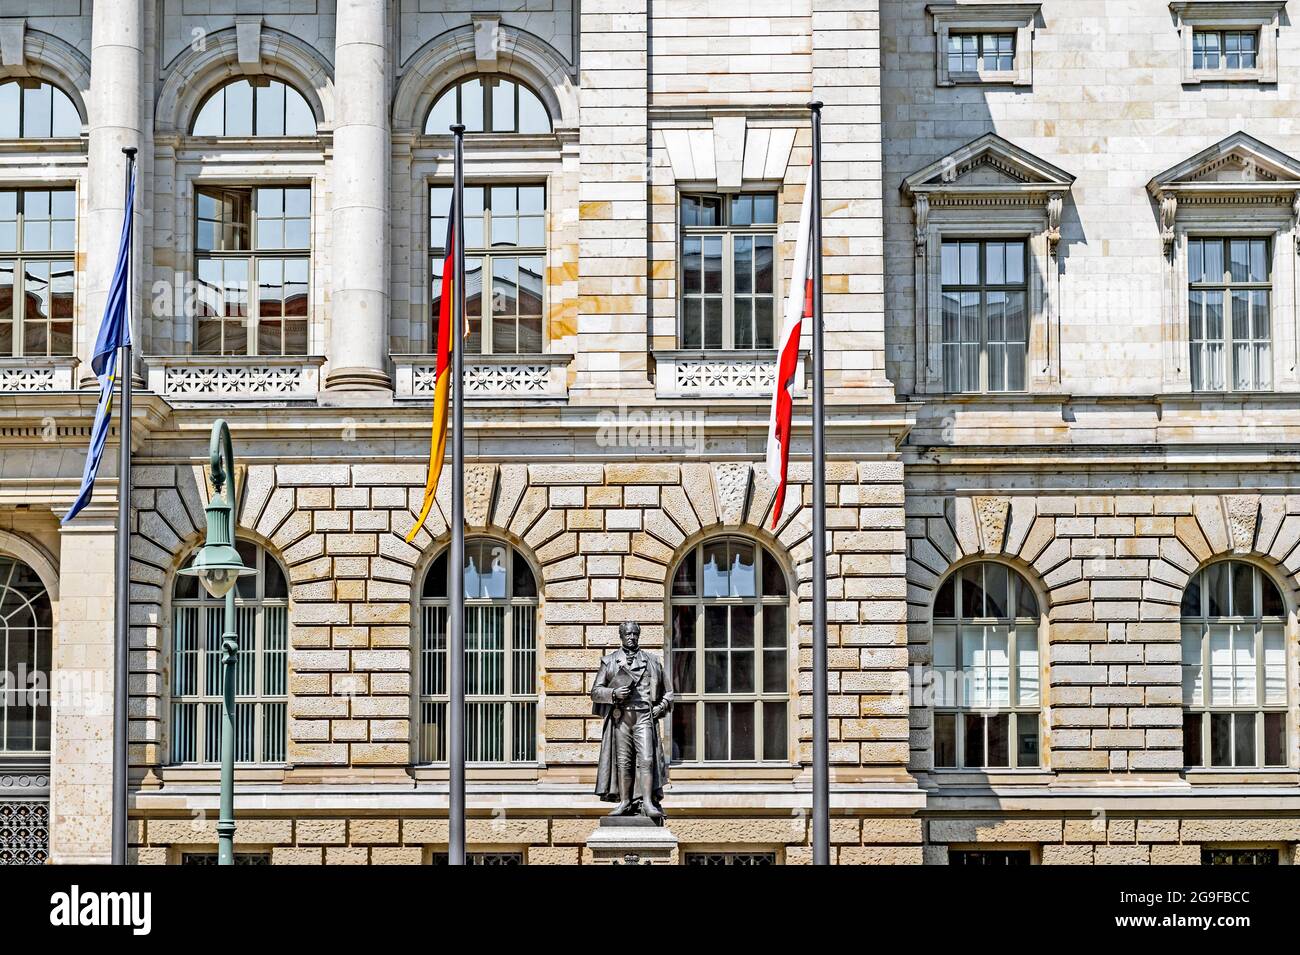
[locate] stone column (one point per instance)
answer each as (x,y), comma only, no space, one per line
(81,758)
(116,111)
(362,139)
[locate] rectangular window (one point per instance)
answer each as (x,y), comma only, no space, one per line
(728,249)
(729,858)
(985,315)
(505,266)
(975,53)
(38,235)
(1211,856)
(480,858)
(258,235)
(210,858)
(1225,50)
(261,666)
(989,857)
(1228,303)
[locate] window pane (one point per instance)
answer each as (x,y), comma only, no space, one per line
(1274,739)
(1244,733)
(716,724)
(270,109)
(1243,589)
(974,741)
(684,732)
(972,591)
(1220,739)
(6,308)
(999,730)
(533,117)
(1215,578)
(1245,692)
(503,107)
(1274,665)
(1192,754)
(945,740)
(1027,666)
(443,114)
(1220,666)
(742,731)
(1026,740)
(775,740)
(471,105)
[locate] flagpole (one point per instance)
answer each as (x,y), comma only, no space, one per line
(122,589)
(821,744)
(456,563)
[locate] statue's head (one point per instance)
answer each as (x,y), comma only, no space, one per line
(629,634)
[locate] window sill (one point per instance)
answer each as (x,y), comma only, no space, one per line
(205,773)
(994,78)
(1273,775)
(496,377)
(998,397)
(734,772)
(234,377)
(486,772)
(1230,76)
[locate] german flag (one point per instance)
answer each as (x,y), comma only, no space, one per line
(442,379)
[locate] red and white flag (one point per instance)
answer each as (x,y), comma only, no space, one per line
(798,306)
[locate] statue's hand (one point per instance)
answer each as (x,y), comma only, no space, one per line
(621,694)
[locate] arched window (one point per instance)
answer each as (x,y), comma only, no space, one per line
(26,642)
(257,106)
(500,656)
(986,670)
(1234,668)
(262,624)
(729,653)
(34,109)
(488,104)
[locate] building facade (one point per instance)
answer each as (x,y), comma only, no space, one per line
(1062,405)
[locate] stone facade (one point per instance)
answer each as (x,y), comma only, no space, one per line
(1107,483)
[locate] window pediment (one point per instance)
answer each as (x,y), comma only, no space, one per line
(990,172)
(989,165)
(1238,171)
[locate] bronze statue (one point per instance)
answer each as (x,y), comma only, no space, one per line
(632,692)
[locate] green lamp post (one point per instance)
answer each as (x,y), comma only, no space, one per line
(218,567)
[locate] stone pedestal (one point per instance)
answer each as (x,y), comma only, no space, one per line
(631,840)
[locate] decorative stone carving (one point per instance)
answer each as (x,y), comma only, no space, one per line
(26,379)
(921,215)
(724,377)
(991,517)
(1055,206)
(1168,216)
(490,380)
(223,381)
(1242,512)
(480,481)
(732,479)
(24,832)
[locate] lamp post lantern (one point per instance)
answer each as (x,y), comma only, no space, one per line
(218,566)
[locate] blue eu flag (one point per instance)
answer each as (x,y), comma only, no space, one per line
(114,333)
